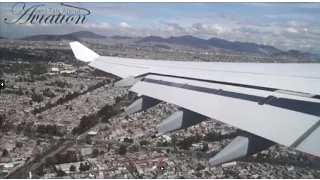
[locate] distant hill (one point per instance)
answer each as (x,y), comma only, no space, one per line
(152,39)
(87,34)
(69,37)
(189,41)
(75,36)
(2,37)
(213,42)
(121,37)
(297,55)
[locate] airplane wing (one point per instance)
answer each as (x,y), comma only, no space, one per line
(270,102)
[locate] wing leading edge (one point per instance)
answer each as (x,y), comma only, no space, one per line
(244,95)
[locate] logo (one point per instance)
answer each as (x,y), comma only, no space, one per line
(40,14)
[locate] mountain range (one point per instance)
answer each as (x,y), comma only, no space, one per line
(47,37)
(187,40)
(213,42)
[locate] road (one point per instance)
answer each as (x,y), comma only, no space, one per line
(91,171)
(22,172)
(62,148)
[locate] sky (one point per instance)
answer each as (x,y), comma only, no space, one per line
(283,25)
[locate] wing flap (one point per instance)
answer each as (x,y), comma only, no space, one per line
(311,143)
(280,125)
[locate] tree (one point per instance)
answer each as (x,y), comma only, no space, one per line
(40,172)
(197,137)
(122,150)
(54,130)
(73,168)
(38,69)
(28,159)
(88,139)
(81,167)
(61,173)
(75,130)
(1,120)
(185,144)
(128,140)
(86,167)
(50,161)
(80,158)
(37,159)
(205,147)
(38,142)
(175,150)
(36,97)
(42,129)
(108,147)
(134,148)
(5,152)
(19,144)
(7,126)
(143,143)
(118,99)
(105,118)
(95,152)
(19,128)
(174,140)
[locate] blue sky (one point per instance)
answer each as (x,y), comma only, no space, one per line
(283,25)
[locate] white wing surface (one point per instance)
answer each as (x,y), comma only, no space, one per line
(270,102)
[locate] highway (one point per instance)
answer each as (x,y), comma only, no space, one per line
(23,171)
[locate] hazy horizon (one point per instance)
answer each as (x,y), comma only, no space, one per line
(285,26)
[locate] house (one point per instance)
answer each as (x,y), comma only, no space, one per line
(54,70)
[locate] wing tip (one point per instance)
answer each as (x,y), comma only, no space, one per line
(82,53)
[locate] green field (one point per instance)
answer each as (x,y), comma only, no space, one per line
(121,104)
(3,174)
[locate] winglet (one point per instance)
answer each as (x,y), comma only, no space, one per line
(83,53)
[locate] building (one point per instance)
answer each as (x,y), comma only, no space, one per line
(67,71)
(86,151)
(61,128)
(227,165)
(54,70)
(92,133)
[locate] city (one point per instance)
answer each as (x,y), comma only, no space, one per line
(62,118)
